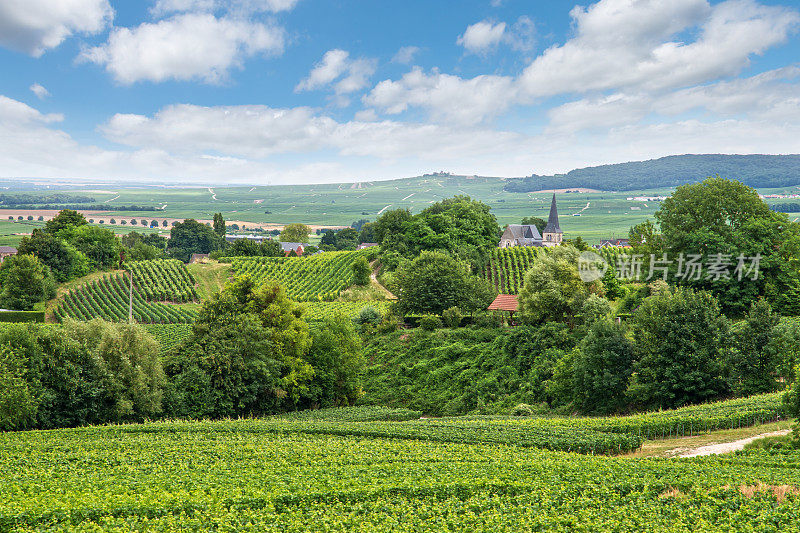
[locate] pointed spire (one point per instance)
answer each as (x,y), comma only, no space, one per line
(552,220)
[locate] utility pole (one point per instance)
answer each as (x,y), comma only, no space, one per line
(130,299)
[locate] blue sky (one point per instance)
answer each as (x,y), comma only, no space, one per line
(301,91)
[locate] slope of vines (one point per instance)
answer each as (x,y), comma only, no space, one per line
(107,298)
(163,280)
(507,267)
(306,279)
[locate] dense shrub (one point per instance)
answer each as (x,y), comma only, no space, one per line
(430,322)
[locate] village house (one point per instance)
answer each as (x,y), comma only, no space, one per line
(6,251)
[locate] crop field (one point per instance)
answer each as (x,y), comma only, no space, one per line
(507,267)
(163,279)
(323,310)
(316,278)
(108,298)
(353,470)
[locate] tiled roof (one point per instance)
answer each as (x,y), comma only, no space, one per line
(504,302)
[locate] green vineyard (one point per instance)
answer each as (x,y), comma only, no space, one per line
(306,279)
(107,298)
(169,335)
(163,280)
(323,310)
(507,267)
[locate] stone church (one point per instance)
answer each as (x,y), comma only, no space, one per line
(528,235)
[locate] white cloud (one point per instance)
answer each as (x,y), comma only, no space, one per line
(482,36)
(185,47)
(33,26)
(244,7)
(446,97)
(259,132)
(39,91)
(405,55)
(352,74)
(629,44)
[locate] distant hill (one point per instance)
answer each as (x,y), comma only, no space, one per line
(671,171)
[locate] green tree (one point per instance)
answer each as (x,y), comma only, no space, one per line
(66,218)
(553,289)
(346,239)
(63,259)
(101,246)
(270,248)
(367,233)
(390,227)
(595,308)
(219,225)
(294,233)
(435,281)
(191,237)
(242,247)
(361,271)
(246,355)
(680,341)
(603,368)
(129,367)
(24,281)
(338,363)
(540,223)
(18,404)
(754,362)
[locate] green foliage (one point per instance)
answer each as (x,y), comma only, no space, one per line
(294,233)
(361,271)
(128,367)
(603,368)
(321,277)
(163,280)
(366,317)
(246,355)
(452,317)
(435,281)
(63,259)
(99,245)
(540,223)
(430,322)
(24,281)
(680,341)
(338,364)
(21,316)
(242,248)
(361,413)
(82,373)
(17,402)
(460,226)
(553,289)
(670,171)
(218,225)
(191,237)
(595,308)
(65,219)
(754,363)
(464,370)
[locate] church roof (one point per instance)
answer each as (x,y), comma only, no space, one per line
(524,232)
(552,220)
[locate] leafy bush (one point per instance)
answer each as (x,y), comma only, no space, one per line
(430,322)
(452,317)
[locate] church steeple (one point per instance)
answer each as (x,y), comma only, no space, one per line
(552,234)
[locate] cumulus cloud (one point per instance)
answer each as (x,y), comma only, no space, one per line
(165,7)
(405,55)
(194,46)
(630,44)
(39,91)
(349,74)
(33,26)
(482,36)
(446,97)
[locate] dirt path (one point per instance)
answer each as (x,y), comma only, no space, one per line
(376,283)
(728,447)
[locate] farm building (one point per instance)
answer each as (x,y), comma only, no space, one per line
(289,247)
(6,251)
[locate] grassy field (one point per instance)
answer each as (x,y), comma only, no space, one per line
(325,474)
(602,214)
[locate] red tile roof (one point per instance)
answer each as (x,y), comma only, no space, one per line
(504,302)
